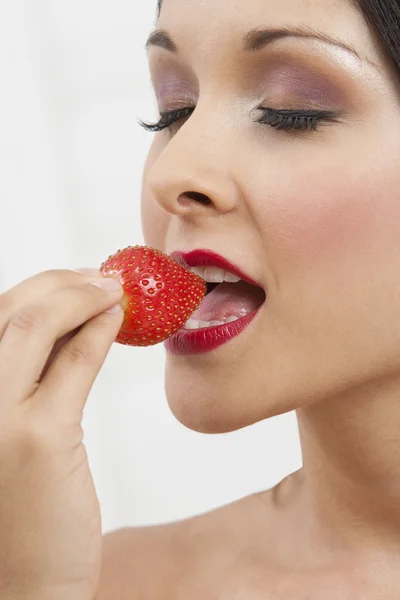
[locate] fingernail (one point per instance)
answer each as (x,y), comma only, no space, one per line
(114,309)
(88,272)
(109,284)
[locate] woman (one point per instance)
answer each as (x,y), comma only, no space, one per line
(278,148)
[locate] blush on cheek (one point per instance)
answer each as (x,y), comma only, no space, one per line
(333,220)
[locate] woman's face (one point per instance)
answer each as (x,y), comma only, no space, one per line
(313,216)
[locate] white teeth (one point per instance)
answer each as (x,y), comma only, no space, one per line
(231,319)
(204,324)
(215,274)
(195,324)
(231,278)
(198,271)
(191,324)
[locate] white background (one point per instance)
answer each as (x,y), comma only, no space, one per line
(74,80)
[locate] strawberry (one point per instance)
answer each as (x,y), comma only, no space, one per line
(160,294)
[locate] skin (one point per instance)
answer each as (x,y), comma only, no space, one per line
(315,218)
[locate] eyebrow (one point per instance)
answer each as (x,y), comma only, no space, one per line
(256,39)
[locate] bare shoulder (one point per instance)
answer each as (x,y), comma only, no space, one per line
(139,562)
(246,549)
(167,561)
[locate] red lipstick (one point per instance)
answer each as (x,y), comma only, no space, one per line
(196,341)
(205,258)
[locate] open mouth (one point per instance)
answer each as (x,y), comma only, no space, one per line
(228,298)
(232,303)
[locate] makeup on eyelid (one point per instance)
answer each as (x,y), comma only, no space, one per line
(287,86)
(173,87)
(283,80)
(305,86)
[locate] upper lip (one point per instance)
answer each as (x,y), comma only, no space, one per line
(205,257)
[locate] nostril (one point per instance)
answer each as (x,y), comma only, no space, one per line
(197,196)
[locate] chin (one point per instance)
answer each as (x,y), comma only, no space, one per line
(206,404)
(200,415)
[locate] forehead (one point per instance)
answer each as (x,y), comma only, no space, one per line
(341,17)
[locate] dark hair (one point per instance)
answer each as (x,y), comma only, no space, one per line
(384,17)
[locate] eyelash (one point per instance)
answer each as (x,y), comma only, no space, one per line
(280,119)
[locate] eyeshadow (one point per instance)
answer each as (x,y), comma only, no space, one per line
(303,84)
(172,83)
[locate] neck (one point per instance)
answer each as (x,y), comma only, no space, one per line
(351,457)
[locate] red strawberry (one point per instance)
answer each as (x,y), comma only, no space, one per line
(160,294)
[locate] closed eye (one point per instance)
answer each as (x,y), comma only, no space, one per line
(279,118)
(167,119)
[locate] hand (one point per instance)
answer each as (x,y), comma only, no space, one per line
(54,339)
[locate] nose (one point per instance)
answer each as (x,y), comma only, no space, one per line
(191,177)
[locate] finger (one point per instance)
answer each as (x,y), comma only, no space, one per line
(31,334)
(34,288)
(57,346)
(70,377)
(37,286)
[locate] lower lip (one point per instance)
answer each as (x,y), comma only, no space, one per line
(196,341)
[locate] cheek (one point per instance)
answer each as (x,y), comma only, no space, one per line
(154,220)
(333,216)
